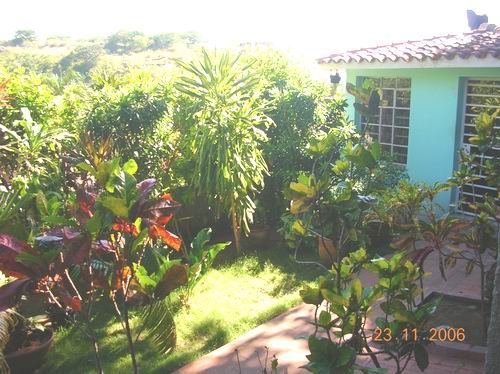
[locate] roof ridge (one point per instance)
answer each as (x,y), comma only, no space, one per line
(442,47)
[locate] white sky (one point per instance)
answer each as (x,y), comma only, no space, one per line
(312,28)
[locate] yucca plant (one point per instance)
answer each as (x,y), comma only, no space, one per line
(229,166)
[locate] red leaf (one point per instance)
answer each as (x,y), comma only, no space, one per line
(174,277)
(124,226)
(10,247)
(77,249)
(418,257)
(168,238)
(86,201)
(167,197)
(162,221)
(13,244)
(11,292)
(120,277)
(159,212)
(71,302)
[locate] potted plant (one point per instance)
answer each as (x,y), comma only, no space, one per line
(25,342)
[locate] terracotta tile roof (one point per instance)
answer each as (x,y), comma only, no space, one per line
(480,43)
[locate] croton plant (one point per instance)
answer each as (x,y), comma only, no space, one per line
(116,225)
(113,227)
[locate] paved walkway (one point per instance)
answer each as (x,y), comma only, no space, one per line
(285,336)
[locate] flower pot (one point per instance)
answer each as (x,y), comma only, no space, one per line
(28,359)
(327,250)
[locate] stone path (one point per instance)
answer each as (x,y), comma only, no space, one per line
(285,336)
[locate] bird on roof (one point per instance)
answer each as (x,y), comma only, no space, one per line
(475,20)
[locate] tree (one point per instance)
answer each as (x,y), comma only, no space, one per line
(126,42)
(190,38)
(22,36)
(229,166)
(163,41)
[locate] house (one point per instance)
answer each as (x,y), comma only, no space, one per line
(432,89)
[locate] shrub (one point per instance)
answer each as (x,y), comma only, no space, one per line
(82,59)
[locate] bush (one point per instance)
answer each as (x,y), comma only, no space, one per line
(27,91)
(299,114)
(130,115)
(12,60)
(82,59)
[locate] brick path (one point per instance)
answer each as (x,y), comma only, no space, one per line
(284,335)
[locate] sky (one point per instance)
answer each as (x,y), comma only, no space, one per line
(311,28)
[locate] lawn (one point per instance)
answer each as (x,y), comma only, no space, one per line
(233,298)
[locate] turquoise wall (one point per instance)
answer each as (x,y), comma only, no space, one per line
(436,111)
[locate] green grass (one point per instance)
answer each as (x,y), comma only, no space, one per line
(232,299)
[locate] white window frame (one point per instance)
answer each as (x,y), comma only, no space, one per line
(463,134)
(394,108)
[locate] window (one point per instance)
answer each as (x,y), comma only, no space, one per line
(480,95)
(390,126)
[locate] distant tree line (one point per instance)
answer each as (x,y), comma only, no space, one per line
(122,42)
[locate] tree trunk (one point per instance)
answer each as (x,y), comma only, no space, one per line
(236,229)
(492,365)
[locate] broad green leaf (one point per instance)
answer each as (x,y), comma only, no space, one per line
(130,167)
(116,205)
(86,167)
(324,318)
(311,295)
(139,240)
(334,298)
(299,227)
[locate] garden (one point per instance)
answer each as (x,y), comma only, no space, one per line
(149,216)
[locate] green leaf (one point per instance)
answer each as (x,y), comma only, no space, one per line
(357,289)
(334,298)
(299,228)
(144,278)
(86,167)
(375,150)
(130,167)
(311,295)
(94,224)
(324,318)
(41,203)
(421,357)
(116,205)
(340,166)
(140,239)
(346,355)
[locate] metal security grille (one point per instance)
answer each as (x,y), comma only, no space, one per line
(480,95)
(390,126)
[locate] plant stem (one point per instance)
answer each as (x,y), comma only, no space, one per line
(95,346)
(131,346)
